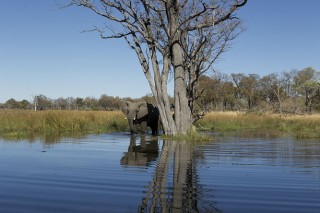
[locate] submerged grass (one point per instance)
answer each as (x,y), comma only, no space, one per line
(20,122)
(193,136)
(300,126)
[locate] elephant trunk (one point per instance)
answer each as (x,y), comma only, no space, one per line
(131,125)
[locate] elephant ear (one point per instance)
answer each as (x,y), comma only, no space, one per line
(142,109)
(125,107)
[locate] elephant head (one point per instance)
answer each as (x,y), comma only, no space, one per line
(136,113)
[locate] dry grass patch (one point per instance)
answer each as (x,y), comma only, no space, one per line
(61,121)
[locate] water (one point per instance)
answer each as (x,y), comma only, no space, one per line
(120,173)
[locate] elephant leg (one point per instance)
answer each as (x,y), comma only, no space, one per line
(154,132)
(143,127)
(132,125)
(154,128)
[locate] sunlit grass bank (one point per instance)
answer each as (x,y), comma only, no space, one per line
(300,126)
(22,122)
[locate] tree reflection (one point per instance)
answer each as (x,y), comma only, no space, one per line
(174,185)
(173,188)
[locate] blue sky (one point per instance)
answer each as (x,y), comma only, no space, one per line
(42,49)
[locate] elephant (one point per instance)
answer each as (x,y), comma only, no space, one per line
(141,113)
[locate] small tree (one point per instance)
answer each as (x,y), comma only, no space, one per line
(183,37)
(79,103)
(24,104)
(11,104)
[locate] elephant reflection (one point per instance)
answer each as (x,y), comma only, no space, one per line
(142,154)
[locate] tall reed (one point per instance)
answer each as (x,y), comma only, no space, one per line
(21,121)
(300,126)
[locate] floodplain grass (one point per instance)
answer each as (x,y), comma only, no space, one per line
(24,122)
(300,126)
(20,123)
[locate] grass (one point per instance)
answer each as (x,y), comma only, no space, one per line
(301,126)
(192,136)
(20,122)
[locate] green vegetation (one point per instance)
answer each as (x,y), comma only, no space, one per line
(288,92)
(193,136)
(21,122)
(300,126)
(295,93)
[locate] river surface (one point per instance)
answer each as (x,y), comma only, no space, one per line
(120,173)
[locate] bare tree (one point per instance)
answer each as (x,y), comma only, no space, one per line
(35,102)
(183,37)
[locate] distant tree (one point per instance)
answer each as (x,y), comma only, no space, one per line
(183,37)
(209,89)
(35,103)
(274,88)
(91,103)
(24,104)
(104,101)
(237,79)
(247,86)
(61,103)
(216,91)
(43,102)
(307,84)
(148,98)
(11,104)
(116,103)
(71,103)
(289,82)
(79,102)
(228,94)
(107,102)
